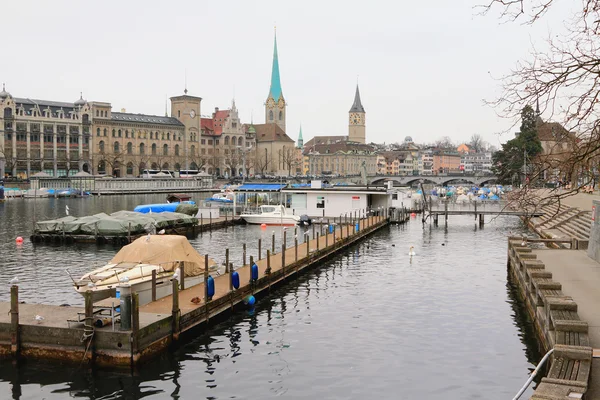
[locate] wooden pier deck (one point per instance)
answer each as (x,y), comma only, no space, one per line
(157,325)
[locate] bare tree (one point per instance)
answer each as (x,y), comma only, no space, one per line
(565,81)
(477,143)
(444,143)
(262,161)
(289,159)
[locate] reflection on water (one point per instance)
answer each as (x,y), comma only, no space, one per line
(370,323)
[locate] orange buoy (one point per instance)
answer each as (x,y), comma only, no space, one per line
(413,215)
(263,226)
(19,240)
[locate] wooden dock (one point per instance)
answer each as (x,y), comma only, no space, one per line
(477,210)
(155,326)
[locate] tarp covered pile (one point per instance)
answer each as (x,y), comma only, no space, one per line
(120,223)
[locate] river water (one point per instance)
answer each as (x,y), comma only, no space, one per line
(370,323)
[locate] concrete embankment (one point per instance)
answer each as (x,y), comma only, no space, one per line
(68,333)
(556,319)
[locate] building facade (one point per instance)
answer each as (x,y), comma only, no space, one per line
(44,136)
(476,163)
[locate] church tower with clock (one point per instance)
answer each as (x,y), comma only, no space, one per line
(356,128)
(275,104)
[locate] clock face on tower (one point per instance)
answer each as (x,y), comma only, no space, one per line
(271,102)
(281,103)
(355,119)
(192,114)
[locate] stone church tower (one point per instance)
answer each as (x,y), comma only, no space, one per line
(275,104)
(356,128)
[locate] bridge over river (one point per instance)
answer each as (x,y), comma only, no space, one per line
(408,180)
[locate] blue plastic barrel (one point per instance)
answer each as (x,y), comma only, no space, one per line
(357,226)
(235,279)
(254,272)
(210,285)
(330,228)
(118,296)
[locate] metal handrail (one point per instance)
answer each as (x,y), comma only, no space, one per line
(533,374)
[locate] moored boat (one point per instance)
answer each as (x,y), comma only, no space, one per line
(270,215)
(134,263)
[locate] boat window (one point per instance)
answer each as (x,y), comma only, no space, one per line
(268,209)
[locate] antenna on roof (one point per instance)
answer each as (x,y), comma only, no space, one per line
(166,114)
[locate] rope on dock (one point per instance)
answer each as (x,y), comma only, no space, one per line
(88,334)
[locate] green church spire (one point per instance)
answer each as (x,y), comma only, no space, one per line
(300,139)
(275,90)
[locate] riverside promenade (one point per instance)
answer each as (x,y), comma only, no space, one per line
(576,273)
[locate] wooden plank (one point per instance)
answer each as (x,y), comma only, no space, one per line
(560,337)
(556,368)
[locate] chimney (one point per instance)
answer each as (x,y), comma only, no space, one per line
(216,110)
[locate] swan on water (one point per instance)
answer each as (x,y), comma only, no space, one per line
(411,251)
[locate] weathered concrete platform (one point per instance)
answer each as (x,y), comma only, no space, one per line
(157,325)
(556,316)
(580,279)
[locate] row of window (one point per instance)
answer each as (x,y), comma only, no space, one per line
(142,148)
(35,138)
(271,115)
(141,134)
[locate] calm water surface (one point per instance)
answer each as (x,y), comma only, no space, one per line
(370,323)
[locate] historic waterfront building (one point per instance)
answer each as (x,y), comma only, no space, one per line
(39,135)
(225,144)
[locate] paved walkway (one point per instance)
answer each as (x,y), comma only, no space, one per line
(580,279)
(582,201)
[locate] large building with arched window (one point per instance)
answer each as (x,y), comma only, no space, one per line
(44,136)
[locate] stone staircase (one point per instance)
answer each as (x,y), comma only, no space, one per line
(561,221)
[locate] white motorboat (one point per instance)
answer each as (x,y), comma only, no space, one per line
(134,264)
(270,215)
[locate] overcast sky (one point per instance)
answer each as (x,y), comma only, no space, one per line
(424,67)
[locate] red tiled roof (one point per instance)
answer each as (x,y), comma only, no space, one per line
(219,118)
(206,126)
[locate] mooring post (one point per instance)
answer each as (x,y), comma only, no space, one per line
(88,327)
(307,241)
(129,232)
(206,283)
(135,321)
(14,320)
(273,243)
(317,241)
(334,229)
(481,220)
(347,230)
(153,285)
(175,309)
(268,270)
(230,267)
(475,210)
(182,275)
(296,231)
(296,248)
(259,243)
(313,229)
(63,231)
(227,260)
(283,260)
(446,211)
(210,221)
(244,258)
(327,236)
(201,222)
(285,238)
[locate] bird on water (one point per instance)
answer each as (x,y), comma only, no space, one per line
(14,281)
(411,251)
